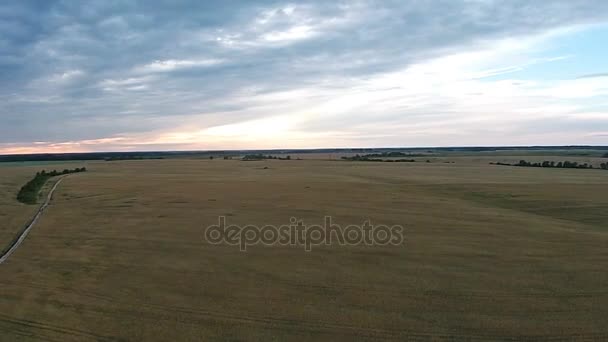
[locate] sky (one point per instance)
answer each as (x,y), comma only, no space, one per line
(79,76)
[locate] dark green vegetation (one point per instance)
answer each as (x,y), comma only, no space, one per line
(259,156)
(85,156)
(29,192)
(562,165)
(370,158)
(373,153)
(131,157)
(394,154)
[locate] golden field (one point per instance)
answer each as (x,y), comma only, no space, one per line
(490,253)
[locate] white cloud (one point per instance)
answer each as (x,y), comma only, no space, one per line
(450,100)
(576,88)
(130,83)
(291,34)
(67,75)
(286,25)
(175,64)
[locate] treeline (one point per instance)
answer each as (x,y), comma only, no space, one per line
(29,192)
(562,165)
(129,157)
(370,158)
(393,155)
(89,156)
(249,157)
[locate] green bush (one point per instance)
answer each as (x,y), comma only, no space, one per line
(29,192)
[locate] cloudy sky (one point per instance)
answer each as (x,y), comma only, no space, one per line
(184,75)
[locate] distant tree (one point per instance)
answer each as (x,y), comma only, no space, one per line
(566,164)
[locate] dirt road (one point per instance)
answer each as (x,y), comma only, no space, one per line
(27,229)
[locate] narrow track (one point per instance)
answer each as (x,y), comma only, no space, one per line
(16,243)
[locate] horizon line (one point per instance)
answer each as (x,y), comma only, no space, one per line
(310,149)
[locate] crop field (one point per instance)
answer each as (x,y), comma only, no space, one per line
(491,253)
(14,215)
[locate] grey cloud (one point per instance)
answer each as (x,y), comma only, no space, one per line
(596,75)
(109,42)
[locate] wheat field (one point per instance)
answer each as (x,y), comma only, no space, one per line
(490,253)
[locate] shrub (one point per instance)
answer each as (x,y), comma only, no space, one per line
(28,193)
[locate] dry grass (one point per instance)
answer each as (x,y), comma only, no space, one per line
(491,253)
(13,214)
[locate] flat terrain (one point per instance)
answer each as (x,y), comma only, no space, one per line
(14,215)
(491,253)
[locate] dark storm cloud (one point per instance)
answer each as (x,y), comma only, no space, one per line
(74,70)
